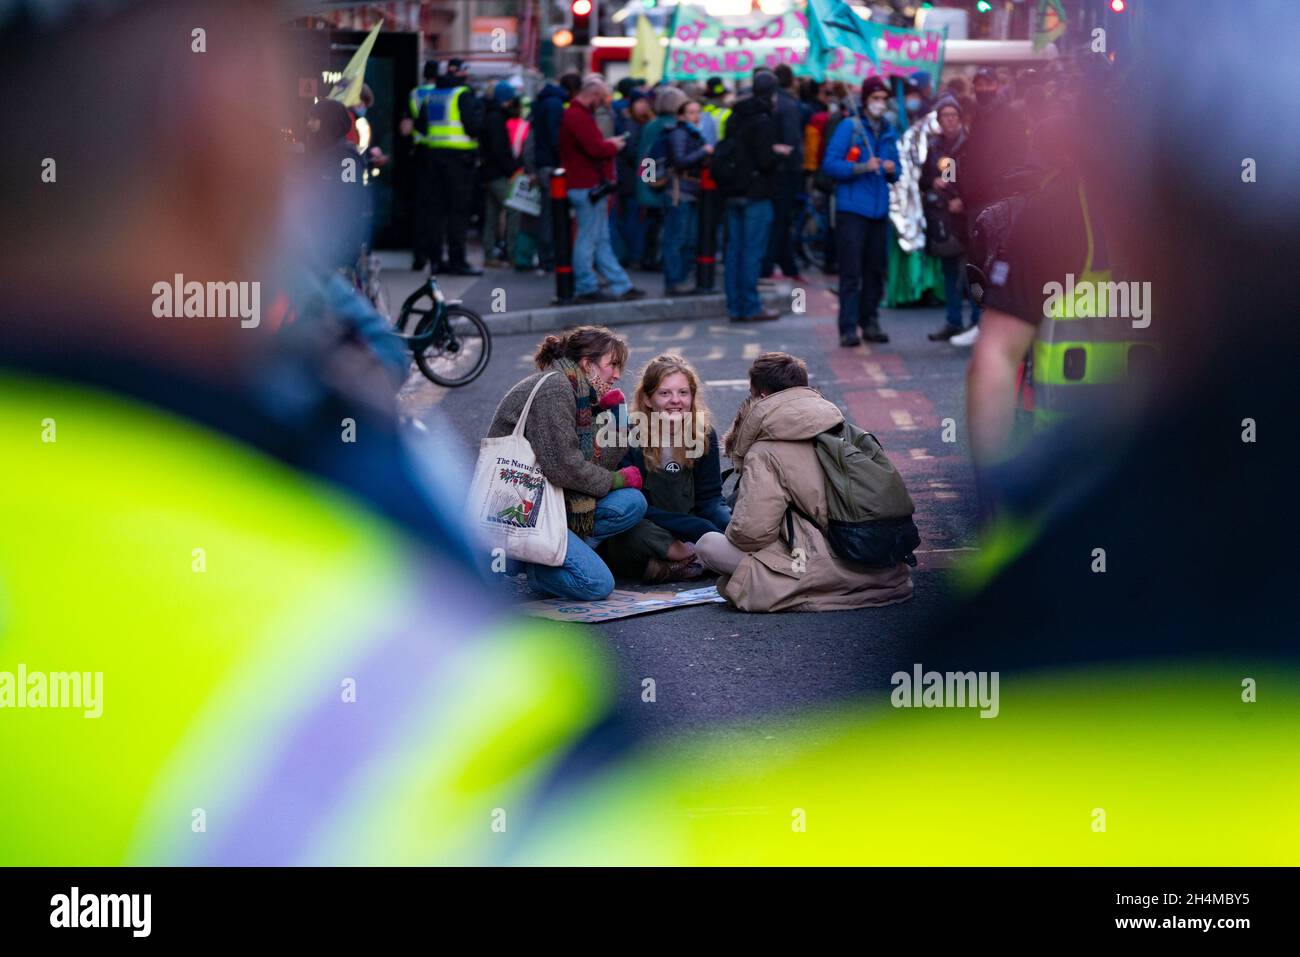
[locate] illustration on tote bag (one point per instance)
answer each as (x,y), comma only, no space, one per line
(517,497)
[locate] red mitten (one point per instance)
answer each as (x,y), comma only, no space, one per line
(612,398)
(631,476)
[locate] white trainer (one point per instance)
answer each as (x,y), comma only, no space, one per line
(966,339)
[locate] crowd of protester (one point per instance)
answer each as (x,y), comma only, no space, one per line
(637,157)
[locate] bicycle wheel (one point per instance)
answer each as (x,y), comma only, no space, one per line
(458,352)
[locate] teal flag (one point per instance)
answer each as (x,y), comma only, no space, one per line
(1049,22)
(843,46)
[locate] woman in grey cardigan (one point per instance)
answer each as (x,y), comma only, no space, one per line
(600,499)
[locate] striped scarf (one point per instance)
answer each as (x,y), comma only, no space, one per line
(580,508)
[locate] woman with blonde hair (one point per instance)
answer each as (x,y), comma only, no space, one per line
(675,450)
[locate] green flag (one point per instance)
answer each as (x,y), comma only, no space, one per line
(1049,22)
(647,58)
(348,88)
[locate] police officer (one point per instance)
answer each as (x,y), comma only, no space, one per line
(446,119)
(715,107)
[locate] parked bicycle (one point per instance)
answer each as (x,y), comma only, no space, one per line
(810,224)
(450,342)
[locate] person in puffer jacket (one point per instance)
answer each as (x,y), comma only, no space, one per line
(862,158)
(687,155)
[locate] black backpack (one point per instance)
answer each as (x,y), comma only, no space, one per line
(732,165)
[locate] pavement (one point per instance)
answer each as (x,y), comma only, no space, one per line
(517,301)
(723,672)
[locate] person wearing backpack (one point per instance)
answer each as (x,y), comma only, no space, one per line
(862,159)
(687,155)
(774,555)
(653,172)
(744,166)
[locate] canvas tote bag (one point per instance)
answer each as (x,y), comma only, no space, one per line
(513,504)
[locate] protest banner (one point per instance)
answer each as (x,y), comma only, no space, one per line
(701,46)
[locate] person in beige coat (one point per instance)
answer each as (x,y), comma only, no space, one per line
(771,447)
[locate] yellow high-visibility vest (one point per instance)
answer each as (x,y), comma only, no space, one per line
(418,95)
(446,131)
(1083,357)
(720,115)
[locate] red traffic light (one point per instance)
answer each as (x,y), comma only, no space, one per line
(581,22)
(1117,6)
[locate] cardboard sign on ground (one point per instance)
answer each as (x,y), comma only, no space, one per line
(621,603)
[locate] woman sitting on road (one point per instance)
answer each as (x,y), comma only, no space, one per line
(601,499)
(681,477)
(763,567)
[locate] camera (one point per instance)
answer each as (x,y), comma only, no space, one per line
(600,192)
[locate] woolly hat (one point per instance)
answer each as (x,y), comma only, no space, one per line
(669,100)
(948,100)
(873,84)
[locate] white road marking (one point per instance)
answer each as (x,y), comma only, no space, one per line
(902,418)
(686,332)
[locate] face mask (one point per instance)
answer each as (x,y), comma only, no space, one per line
(876,108)
(913,104)
(360,111)
(984,97)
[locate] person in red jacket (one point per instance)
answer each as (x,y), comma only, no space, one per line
(588,160)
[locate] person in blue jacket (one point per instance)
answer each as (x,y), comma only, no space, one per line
(680,465)
(862,159)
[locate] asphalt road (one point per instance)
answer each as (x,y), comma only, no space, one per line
(718,668)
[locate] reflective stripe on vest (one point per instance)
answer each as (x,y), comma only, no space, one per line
(446,132)
(1084,358)
(228,637)
(418,96)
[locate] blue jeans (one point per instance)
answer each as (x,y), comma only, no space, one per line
(584,576)
(748,225)
(955,288)
(681,236)
(593,249)
(715,512)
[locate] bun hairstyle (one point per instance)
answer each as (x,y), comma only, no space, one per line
(658,369)
(581,342)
